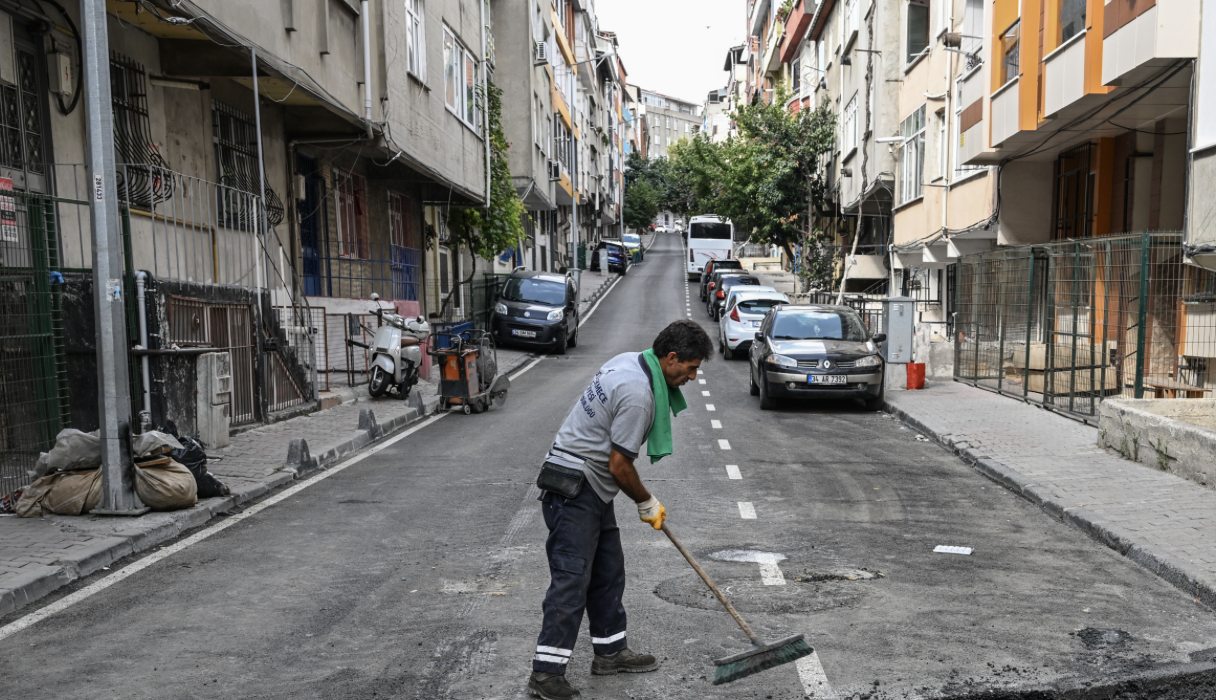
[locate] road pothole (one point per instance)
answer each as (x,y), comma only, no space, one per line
(1094,638)
(809,576)
(749,594)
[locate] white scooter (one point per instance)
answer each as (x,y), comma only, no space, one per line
(396,353)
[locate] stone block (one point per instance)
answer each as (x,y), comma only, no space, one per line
(1174,435)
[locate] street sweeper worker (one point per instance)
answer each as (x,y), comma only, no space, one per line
(630,401)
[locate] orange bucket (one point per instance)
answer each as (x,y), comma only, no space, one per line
(916,375)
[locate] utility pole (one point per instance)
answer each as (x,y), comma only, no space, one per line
(113,390)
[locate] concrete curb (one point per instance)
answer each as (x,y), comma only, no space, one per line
(1123,541)
(599,292)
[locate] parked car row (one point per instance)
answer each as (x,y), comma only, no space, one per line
(800,351)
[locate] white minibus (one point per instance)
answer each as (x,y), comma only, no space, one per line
(710,237)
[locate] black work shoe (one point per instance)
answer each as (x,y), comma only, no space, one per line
(549,686)
(624,661)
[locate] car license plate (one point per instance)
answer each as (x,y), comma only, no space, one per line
(827,379)
(755,324)
(523,334)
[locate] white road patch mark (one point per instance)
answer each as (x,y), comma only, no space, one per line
(704,393)
(710,407)
(732,471)
(724,444)
(770,573)
(814,680)
(715,424)
(948,549)
(700,381)
(747,511)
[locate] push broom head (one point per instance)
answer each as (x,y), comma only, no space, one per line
(760,658)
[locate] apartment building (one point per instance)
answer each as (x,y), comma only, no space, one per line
(277,163)
(720,104)
(668,119)
(839,53)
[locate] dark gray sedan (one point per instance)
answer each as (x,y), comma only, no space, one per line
(809,352)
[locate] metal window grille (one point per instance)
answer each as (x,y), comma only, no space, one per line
(21,120)
(1069,323)
(133,136)
(405,250)
(351,191)
(195,322)
(236,157)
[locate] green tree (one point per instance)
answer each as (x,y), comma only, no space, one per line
(645,185)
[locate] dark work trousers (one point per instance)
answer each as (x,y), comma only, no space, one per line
(587,570)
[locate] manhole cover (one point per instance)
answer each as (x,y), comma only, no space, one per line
(749,594)
(1094,638)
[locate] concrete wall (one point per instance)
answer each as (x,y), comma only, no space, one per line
(1026,202)
(1173,435)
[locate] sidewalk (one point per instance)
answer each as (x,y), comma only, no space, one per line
(1162,522)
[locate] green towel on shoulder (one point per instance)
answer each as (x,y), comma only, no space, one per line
(668,402)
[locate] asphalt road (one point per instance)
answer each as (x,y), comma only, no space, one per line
(419,571)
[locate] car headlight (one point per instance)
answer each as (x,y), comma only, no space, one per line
(500,309)
(783,361)
(556,315)
(869,361)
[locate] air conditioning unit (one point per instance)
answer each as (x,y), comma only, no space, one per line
(555,170)
(541,53)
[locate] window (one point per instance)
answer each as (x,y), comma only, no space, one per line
(132,130)
(415,39)
(1010,53)
(848,127)
(918,28)
(850,17)
(796,71)
(1072,18)
(405,247)
(821,60)
(943,154)
(351,191)
(460,73)
(912,156)
(941,16)
(236,159)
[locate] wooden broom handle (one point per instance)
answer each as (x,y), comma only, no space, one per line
(705,577)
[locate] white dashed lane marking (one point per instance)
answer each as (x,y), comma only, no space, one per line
(732,471)
(724,444)
(704,393)
(748,512)
(700,381)
(715,424)
(814,680)
(710,407)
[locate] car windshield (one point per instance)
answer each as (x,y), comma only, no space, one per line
(758,306)
(819,325)
(727,265)
(631,238)
(535,291)
(729,282)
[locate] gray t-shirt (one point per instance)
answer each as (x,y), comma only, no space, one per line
(615,412)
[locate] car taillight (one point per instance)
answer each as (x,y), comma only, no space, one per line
(711,286)
(690,257)
(734,314)
(721,294)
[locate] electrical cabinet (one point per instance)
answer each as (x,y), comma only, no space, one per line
(213,402)
(899,323)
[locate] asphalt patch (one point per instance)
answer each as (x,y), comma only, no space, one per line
(1094,638)
(749,595)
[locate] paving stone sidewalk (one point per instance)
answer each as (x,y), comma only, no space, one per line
(1162,522)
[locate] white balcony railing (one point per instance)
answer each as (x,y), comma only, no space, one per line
(1064,75)
(1004,112)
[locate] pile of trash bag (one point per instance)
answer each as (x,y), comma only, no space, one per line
(170,474)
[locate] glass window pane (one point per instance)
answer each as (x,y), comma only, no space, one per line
(449,70)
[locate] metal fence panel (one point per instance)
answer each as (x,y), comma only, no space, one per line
(1067,324)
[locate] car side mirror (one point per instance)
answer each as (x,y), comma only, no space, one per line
(879,337)
(758,336)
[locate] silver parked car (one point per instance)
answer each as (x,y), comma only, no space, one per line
(813,351)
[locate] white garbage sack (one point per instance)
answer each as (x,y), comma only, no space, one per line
(168,486)
(61,493)
(150,442)
(73,450)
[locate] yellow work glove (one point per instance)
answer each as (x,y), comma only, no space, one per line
(652,512)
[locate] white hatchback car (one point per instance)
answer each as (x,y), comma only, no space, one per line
(744,310)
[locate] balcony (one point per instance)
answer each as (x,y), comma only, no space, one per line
(796,25)
(1005,108)
(1064,75)
(1140,36)
(972,140)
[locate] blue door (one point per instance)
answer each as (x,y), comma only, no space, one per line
(310,225)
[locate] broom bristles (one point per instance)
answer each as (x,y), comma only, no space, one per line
(761,661)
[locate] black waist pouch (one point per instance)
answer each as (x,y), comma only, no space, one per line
(563,481)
